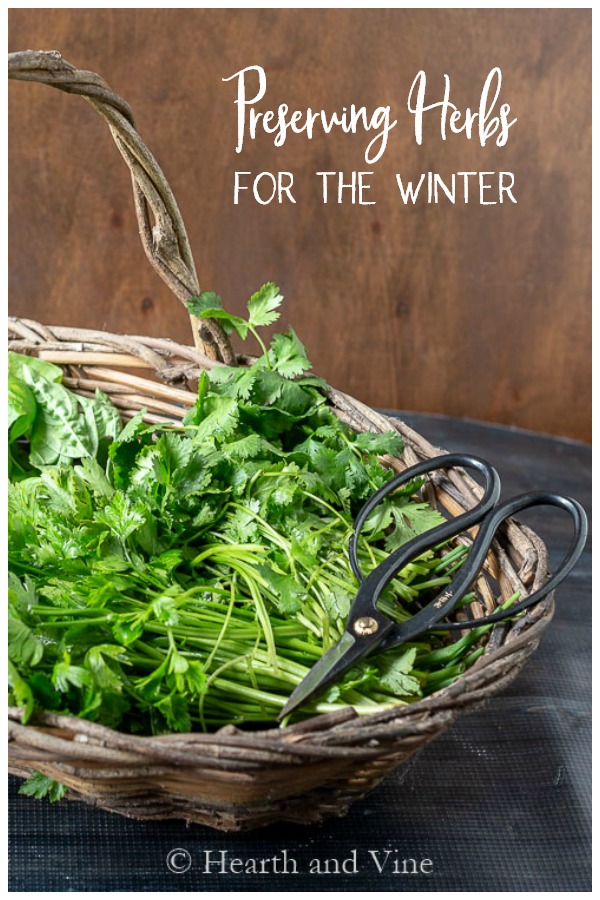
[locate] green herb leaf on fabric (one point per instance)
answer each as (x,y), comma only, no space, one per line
(40,786)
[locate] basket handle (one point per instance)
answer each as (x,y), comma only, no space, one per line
(165,242)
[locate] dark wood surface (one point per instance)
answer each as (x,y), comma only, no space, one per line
(500,802)
(479,311)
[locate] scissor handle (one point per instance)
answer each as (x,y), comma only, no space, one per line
(397,560)
(481,545)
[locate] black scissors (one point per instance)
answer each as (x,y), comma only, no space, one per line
(369,630)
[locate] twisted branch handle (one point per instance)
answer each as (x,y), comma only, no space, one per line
(165,242)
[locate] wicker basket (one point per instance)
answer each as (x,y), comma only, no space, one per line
(235,780)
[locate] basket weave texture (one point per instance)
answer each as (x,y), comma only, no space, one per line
(233,779)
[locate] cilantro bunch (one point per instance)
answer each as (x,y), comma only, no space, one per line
(186,577)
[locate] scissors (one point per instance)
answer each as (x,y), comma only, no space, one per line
(368,629)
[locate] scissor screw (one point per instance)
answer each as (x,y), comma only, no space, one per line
(366,625)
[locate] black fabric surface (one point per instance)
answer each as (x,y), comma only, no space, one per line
(500,802)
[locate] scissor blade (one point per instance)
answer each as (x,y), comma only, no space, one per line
(326,670)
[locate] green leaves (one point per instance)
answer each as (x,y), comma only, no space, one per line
(209,305)
(171,687)
(121,517)
(65,676)
(21,408)
(220,418)
(58,426)
(23,646)
(263,305)
(288,593)
(262,310)
(69,427)
(288,355)
(19,692)
(124,450)
(129,627)
(390,442)
(411,519)
(40,786)
(24,367)
(61,429)
(394,672)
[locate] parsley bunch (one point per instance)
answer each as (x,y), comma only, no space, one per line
(168,579)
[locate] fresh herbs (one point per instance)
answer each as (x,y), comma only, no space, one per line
(39,786)
(167,579)
(48,424)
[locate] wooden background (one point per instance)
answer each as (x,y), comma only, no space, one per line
(476,311)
